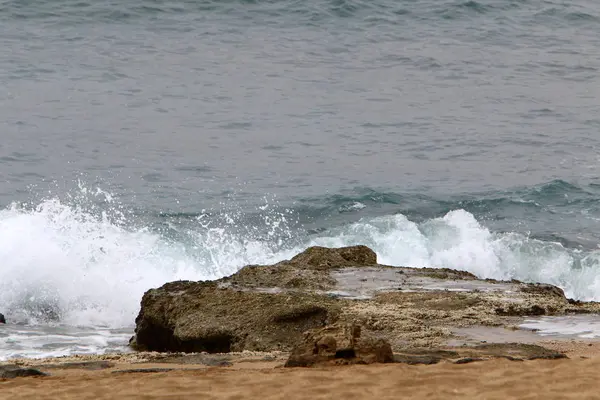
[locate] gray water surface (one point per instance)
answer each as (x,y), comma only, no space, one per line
(172,104)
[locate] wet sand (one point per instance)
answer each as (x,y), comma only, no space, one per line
(261,376)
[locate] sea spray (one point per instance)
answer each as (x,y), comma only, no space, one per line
(86,261)
(62,263)
(89,265)
(458,241)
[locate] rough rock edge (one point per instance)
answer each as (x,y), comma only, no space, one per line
(339,344)
(11,371)
(250,310)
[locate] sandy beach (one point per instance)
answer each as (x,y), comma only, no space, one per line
(253,378)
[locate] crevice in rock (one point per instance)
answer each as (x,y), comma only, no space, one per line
(154,337)
(300,314)
(345,353)
(217,343)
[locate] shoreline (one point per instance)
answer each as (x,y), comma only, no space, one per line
(303,327)
(261,375)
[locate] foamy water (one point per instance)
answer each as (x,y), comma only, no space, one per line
(457,240)
(68,267)
(56,340)
(573,326)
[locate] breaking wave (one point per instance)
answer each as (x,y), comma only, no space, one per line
(89,265)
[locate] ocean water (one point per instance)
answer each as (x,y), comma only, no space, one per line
(148,141)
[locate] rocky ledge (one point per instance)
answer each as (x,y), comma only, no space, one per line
(291,305)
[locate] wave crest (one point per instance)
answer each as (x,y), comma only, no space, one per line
(88,262)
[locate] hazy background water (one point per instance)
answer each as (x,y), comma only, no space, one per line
(146,141)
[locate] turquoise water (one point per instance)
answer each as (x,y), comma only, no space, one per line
(151,141)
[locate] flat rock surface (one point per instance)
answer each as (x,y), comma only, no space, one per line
(89,365)
(10,371)
(269,307)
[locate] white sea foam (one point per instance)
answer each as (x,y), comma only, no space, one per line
(457,240)
(354,206)
(41,341)
(62,263)
(574,326)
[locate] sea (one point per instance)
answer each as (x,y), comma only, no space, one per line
(148,141)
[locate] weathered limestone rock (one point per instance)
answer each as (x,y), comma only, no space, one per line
(196,317)
(234,314)
(326,258)
(268,308)
(14,371)
(339,344)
